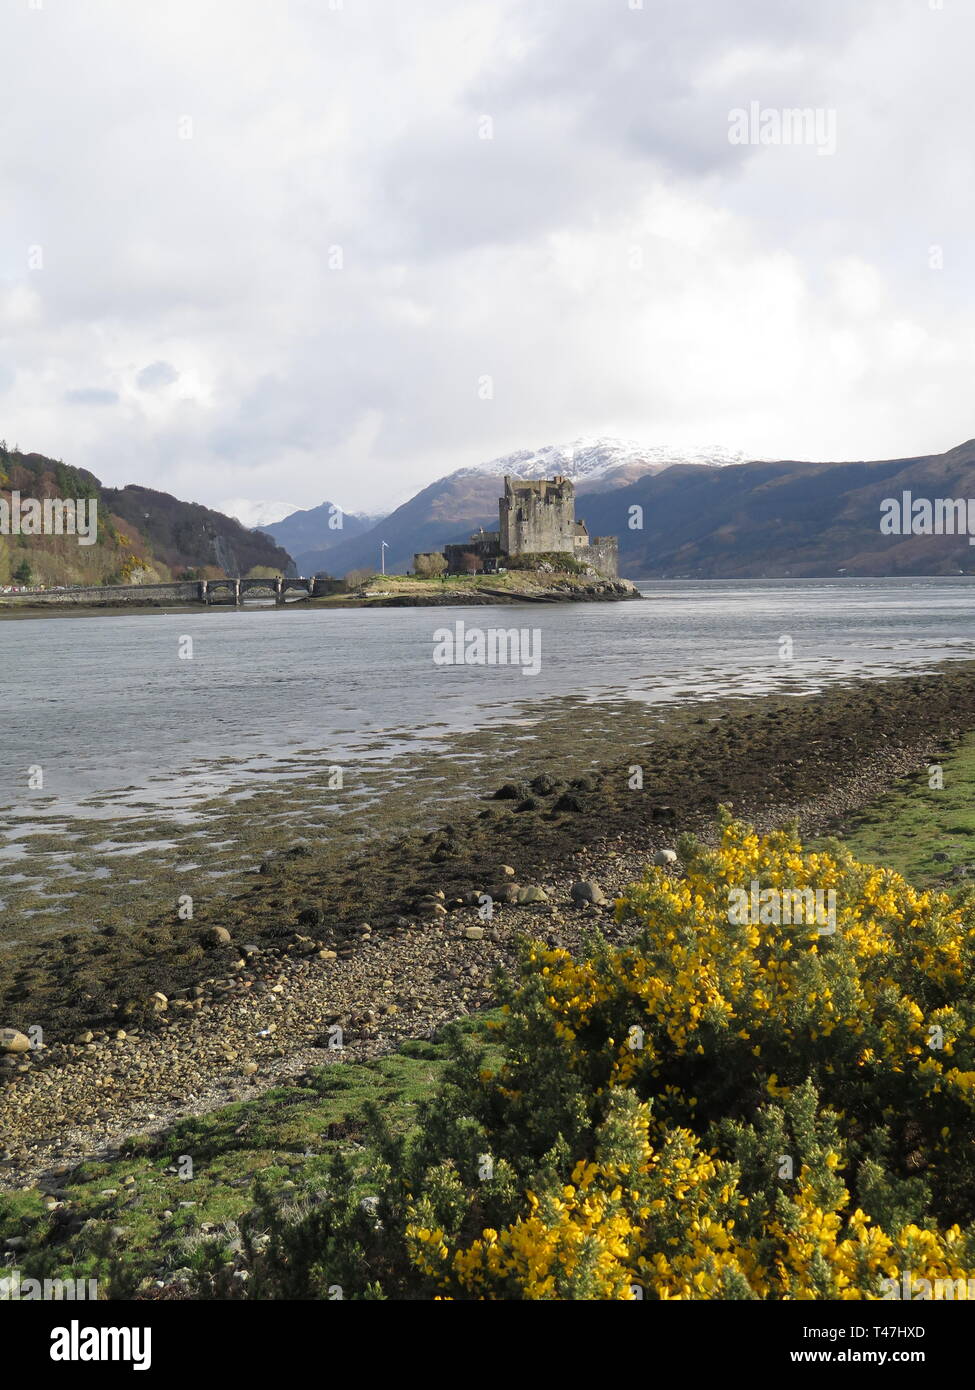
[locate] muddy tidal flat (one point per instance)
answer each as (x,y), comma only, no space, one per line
(270,868)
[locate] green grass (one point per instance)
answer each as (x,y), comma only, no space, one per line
(906,827)
(128,1233)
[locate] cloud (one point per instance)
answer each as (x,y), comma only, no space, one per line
(91,395)
(386,241)
(156,375)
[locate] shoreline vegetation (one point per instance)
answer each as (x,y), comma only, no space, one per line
(214,1037)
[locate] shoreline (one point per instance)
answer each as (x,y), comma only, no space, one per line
(600,591)
(386,940)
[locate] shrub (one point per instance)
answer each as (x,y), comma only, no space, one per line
(717,1110)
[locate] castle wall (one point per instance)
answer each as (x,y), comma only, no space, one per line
(603,553)
(484,546)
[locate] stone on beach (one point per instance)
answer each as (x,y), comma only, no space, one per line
(531,895)
(587,891)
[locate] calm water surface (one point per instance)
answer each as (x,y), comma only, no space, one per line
(106,706)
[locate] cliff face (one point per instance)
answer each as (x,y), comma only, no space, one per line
(141,534)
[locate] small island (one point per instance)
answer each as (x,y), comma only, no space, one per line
(540,553)
(553,580)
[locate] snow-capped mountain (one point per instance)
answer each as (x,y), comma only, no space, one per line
(586,459)
(256,515)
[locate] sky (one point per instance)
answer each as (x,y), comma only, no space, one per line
(260,253)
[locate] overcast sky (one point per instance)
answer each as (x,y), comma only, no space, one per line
(263,251)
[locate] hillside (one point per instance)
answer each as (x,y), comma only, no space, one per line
(142,534)
(786,519)
(447,510)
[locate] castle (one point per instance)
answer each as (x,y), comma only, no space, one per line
(535,518)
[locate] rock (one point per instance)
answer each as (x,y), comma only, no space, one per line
(474,933)
(665,856)
(249,1068)
(159,1001)
(12,1041)
(505,893)
(531,895)
(216,936)
(84,1038)
(431,905)
(587,890)
(507,871)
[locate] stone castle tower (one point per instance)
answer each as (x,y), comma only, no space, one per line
(535,518)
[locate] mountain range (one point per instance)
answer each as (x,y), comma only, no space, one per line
(450,508)
(703,514)
(318,529)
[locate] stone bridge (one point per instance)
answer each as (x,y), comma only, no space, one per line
(232,592)
(237,591)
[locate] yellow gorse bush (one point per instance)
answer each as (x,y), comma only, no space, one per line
(726,1108)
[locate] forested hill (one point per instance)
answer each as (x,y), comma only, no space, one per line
(142,535)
